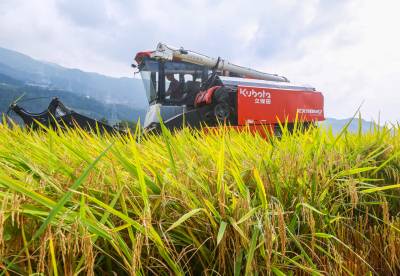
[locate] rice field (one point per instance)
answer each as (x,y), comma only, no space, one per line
(190,203)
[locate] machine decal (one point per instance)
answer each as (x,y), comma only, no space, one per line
(269,105)
(260,96)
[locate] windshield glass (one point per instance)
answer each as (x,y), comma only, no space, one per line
(176,79)
(150,83)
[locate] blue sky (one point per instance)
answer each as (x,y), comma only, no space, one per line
(349,50)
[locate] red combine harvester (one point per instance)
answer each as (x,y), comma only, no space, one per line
(187,88)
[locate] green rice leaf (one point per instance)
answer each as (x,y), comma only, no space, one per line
(324,235)
(251,250)
(184,218)
(277,271)
(238,263)
(221,231)
(380,189)
(248,215)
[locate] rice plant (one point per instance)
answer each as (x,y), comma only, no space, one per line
(199,203)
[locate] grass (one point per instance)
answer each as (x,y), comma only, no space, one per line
(221,203)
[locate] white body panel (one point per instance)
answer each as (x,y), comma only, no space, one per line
(231,81)
(165,111)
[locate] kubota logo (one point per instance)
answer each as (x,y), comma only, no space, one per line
(259,96)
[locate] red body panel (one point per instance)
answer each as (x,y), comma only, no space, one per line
(141,55)
(258,105)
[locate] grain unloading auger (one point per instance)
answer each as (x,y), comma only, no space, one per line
(188,88)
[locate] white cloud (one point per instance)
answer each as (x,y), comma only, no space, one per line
(355,62)
(347,49)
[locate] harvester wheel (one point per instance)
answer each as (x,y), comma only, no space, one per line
(223,105)
(222,111)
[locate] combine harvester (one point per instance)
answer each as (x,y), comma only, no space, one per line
(187,88)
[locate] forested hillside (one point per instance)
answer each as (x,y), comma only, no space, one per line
(26,70)
(36,99)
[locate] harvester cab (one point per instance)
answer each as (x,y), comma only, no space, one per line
(187,88)
(171,86)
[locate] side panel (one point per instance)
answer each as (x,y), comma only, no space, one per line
(268,105)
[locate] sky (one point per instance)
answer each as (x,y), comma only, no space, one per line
(348,49)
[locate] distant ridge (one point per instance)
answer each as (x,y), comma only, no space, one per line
(338,124)
(37,98)
(127,91)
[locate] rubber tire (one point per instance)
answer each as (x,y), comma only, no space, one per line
(222,103)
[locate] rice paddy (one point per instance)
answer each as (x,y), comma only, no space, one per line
(194,203)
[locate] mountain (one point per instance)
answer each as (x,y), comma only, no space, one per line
(22,68)
(338,124)
(36,99)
